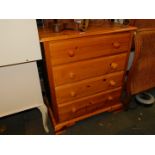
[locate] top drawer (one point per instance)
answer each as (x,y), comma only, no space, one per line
(71,50)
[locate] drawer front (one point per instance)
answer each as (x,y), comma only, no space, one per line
(85,48)
(87,69)
(88,87)
(89,104)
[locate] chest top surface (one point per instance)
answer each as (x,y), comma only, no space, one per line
(46,34)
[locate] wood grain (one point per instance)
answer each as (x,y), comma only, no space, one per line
(142,74)
(85,70)
(60,126)
(73,50)
(46,34)
(88,104)
(88,69)
(88,87)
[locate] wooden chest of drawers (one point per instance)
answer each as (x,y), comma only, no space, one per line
(85,70)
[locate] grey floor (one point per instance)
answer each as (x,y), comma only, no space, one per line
(138,120)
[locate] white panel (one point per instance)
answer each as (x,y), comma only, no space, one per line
(19,41)
(19,88)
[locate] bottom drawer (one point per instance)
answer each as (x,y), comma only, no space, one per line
(89,104)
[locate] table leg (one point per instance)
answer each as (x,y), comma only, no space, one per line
(44,113)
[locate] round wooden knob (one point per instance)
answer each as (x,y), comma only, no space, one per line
(112,83)
(73,94)
(116,44)
(71,53)
(73,109)
(72,75)
(114,65)
(110,98)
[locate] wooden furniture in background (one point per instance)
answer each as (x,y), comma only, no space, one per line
(85,70)
(142,23)
(142,73)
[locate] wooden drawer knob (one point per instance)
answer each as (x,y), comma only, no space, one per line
(72,75)
(114,65)
(73,94)
(116,44)
(71,53)
(112,83)
(110,98)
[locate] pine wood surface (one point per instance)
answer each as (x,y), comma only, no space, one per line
(142,74)
(81,70)
(85,70)
(46,34)
(60,126)
(73,50)
(88,87)
(89,104)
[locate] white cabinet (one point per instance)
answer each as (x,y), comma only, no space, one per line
(19,41)
(19,80)
(19,88)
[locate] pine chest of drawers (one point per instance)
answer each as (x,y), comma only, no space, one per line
(85,70)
